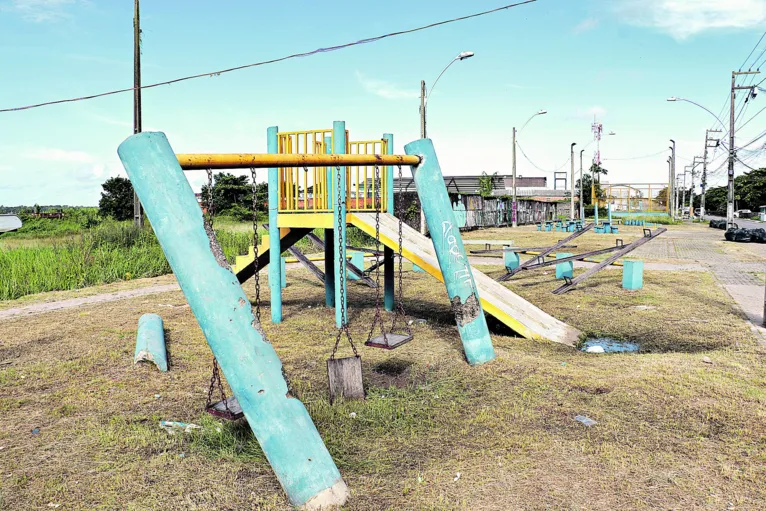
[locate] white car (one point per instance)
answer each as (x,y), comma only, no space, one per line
(743,213)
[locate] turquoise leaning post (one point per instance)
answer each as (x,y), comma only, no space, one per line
(450,252)
(275,243)
(339,212)
(279,421)
(632,275)
(150,342)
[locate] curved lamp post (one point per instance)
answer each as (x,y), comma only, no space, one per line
(423,102)
(514,204)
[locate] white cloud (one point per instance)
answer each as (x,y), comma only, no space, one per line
(59,155)
(39,11)
(385,89)
(684,18)
(585,25)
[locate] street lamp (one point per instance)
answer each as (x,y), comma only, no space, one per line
(582,204)
(674,99)
(423,102)
(424,98)
(514,204)
(571,182)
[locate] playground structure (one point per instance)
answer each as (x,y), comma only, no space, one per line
(637,198)
(316,179)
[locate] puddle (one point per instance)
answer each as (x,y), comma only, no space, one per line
(607,345)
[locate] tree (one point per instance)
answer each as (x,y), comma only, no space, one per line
(486,184)
(116,199)
(598,170)
(587,184)
(749,191)
(228,191)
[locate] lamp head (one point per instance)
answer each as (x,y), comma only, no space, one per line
(672,98)
(465,55)
(542,112)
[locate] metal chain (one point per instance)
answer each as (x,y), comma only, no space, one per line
(378,318)
(399,206)
(255,250)
(215,379)
(341,277)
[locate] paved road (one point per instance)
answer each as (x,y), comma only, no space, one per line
(741,222)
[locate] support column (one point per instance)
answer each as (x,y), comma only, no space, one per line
(339,245)
(275,243)
(252,368)
(450,252)
(329,237)
(388,254)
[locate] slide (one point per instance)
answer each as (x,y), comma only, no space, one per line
(497,300)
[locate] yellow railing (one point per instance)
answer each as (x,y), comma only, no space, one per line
(638,198)
(361,183)
(309,190)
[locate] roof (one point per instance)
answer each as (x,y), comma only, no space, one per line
(470,185)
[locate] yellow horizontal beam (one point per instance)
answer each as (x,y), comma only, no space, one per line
(259,161)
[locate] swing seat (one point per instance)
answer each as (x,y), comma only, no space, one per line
(388,341)
(219,409)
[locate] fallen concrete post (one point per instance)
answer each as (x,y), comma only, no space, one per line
(150,342)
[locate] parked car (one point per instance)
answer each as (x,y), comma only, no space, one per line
(743,213)
(697,212)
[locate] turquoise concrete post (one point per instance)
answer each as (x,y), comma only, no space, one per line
(339,223)
(357,259)
(450,252)
(511,259)
(632,275)
(564,269)
(609,211)
(417,269)
(150,342)
(329,235)
(283,271)
(596,212)
(252,368)
(275,244)
(388,254)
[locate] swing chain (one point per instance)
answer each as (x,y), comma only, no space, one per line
(400,295)
(215,379)
(255,250)
(378,318)
(341,277)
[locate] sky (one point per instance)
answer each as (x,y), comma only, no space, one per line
(617,60)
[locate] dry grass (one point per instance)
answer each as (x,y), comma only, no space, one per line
(673,432)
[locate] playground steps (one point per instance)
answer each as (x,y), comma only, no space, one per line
(497,300)
(244,266)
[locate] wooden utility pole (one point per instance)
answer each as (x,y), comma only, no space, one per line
(704,168)
(138,214)
(732,151)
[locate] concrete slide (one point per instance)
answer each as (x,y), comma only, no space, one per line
(497,300)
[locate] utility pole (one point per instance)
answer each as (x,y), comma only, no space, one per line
(732,151)
(672,192)
(514,204)
(704,168)
(423,226)
(138,214)
(691,191)
(669,197)
(572,182)
(582,204)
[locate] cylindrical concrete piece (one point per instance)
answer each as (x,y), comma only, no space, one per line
(150,342)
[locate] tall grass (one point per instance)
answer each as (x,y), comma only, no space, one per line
(111,252)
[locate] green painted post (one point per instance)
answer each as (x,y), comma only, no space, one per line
(275,244)
(339,224)
(511,259)
(564,269)
(252,368)
(388,254)
(283,271)
(450,252)
(329,236)
(632,275)
(150,342)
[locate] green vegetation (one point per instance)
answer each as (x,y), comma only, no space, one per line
(749,193)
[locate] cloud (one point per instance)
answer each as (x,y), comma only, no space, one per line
(59,155)
(585,25)
(40,11)
(684,18)
(385,89)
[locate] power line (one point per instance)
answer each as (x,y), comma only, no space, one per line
(637,157)
(753,117)
(272,61)
(535,166)
(752,51)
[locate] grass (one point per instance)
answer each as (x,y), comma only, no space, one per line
(673,431)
